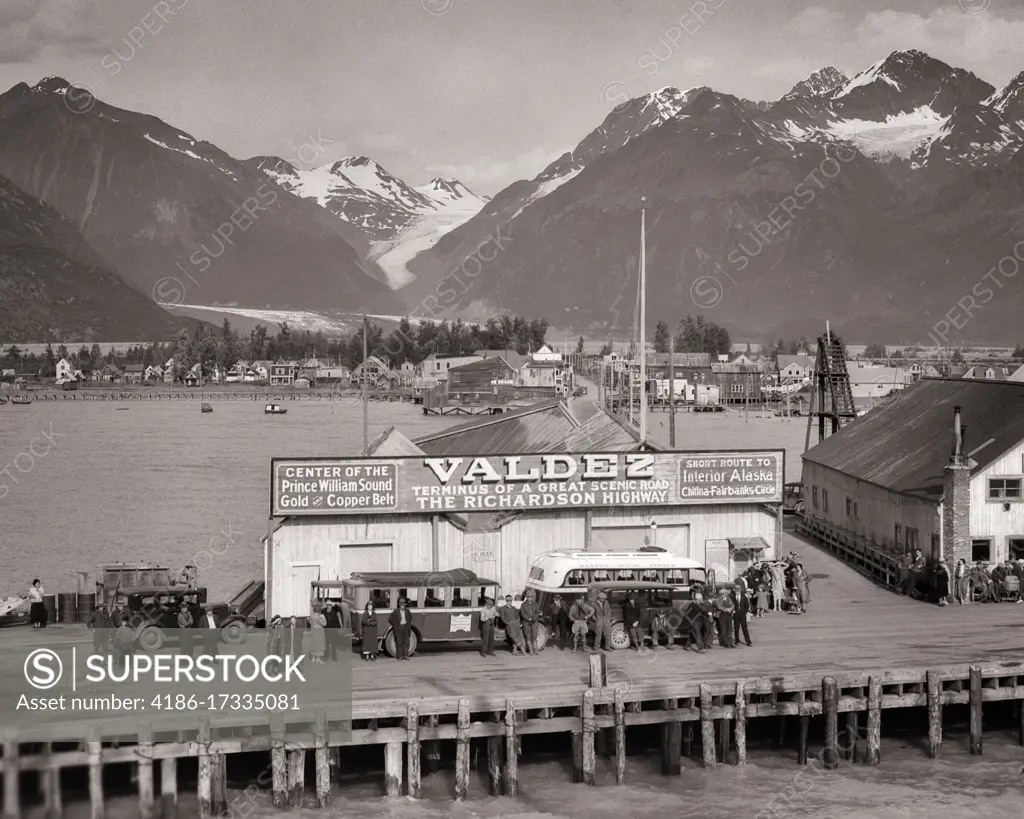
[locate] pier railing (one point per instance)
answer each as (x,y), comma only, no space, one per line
(852,549)
(596,718)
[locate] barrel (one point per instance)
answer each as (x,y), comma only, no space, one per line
(86,605)
(50,603)
(67,607)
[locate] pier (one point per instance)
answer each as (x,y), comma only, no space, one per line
(826,683)
(349,396)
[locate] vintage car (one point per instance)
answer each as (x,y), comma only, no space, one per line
(793,499)
(652,599)
(153,614)
(445,606)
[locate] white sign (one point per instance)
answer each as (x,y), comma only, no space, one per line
(461,622)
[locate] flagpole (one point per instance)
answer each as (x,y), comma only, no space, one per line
(643,321)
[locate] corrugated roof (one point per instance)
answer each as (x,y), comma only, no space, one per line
(599,433)
(511,357)
(679,359)
(904,444)
(530,429)
(805,361)
(493,364)
(724,367)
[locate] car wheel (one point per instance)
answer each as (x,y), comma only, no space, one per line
(151,638)
(389,644)
(620,636)
(540,637)
(233,633)
(414,641)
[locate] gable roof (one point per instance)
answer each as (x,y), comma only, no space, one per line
(374,361)
(530,429)
(510,357)
(392,444)
(999,372)
(805,361)
(600,433)
(494,365)
(904,444)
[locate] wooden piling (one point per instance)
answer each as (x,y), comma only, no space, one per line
(323,762)
(588,729)
(462,751)
(707,727)
(296,777)
(53,803)
(393,769)
(205,785)
(671,741)
(511,751)
(934,684)
(95,747)
(494,747)
(873,754)
(144,752)
(412,745)
(12,773)
(852,730)
(975,700)
(604,740)
(432,747)
(741,724)
(168,788)
(218,784)
(278,763)
(1020,716)
(723,732)
(830,710)
(805,728)
(620,738)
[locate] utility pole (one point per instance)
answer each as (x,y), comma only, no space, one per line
(671,398)
(643,321)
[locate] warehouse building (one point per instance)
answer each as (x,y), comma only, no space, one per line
(906,476)
(493,494)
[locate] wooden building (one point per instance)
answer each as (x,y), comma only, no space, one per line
(738,383)
(424,529)
(892,479)
(479,379)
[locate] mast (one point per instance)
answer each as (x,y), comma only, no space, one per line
(643,321)
(366,395)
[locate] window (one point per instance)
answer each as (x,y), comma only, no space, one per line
(737,389)
(981,549)
(851,508)
(824,499)
(1004,489)
(898,538)
(814,497)
(911,539)
(463,597)
(1015,548)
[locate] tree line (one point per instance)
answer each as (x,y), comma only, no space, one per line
(209,347)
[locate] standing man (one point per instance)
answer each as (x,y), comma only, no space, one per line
(739,619)
(602,623)
(509,615)
(631,617)
(724,610)
(916,568)
(487,618)
(580,614)
(529,613)
(558,618)
(211,631)
(401,627)
(185,623)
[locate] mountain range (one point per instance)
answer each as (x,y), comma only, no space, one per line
(876,201)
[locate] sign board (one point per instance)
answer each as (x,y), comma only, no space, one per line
(716,556)
(497,483)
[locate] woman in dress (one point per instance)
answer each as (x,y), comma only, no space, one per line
(963,583)
(317,635)
(778,587)
(368,629)
(37,612)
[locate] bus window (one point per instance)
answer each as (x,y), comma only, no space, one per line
(625,574)
(381,598)
(434,598)
(661,597)
(600,576)
(577,577)
(653,576)
(462,597)
(678,577)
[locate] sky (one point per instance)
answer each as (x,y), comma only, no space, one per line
(486,91)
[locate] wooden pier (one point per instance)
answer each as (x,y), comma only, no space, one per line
(349,396)
(472,409)
(829,681)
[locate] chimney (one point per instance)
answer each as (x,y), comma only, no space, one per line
(956,500)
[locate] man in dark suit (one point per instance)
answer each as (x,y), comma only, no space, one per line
(739,618)
(211,631)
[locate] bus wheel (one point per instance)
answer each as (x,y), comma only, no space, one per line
(540,637)
(620,636)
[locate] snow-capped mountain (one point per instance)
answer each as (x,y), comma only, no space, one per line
(365,195)
(714,168)
(819,83)
(178,218)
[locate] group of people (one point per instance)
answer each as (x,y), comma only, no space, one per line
(991,586)
(778,585)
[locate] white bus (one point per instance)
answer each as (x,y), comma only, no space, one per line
(570,573)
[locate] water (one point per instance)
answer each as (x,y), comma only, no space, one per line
(159,482)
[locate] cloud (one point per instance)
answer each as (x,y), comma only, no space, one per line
(814,21)
(489,175)
(697,65)
(28,27)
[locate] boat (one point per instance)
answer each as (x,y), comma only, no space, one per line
(206,408)
(274,409)
(21,399)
